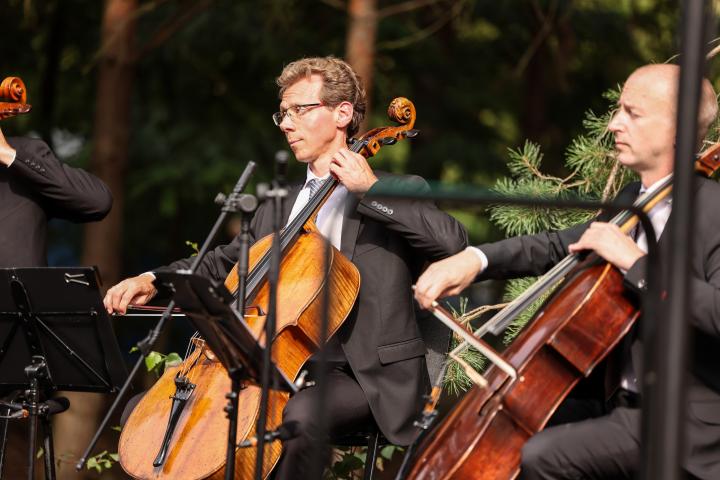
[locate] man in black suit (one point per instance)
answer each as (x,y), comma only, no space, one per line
(377,355)
(606,443)
(34,187)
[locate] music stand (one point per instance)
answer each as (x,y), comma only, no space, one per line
(209,308)
(54,335)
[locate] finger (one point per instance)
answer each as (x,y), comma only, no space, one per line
(107,302)
(112,297)
(423,296)
(125,300)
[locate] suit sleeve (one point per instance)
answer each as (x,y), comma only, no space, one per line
(533,255)
(425,227)
(65,192)
(528,255)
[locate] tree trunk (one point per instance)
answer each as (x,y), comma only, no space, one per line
(360,46)
(102,240)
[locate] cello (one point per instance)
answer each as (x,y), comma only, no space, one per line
(575,329)
(189,446)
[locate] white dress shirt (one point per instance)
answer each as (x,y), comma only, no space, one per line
(658,218)
(330,217)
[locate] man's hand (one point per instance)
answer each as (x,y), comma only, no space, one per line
(608,241)
(136,290)
(7,153)
(447,277)
(353,171)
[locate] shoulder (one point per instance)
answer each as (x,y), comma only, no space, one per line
(630,190)
(412,182)
(29,146)
(708,187)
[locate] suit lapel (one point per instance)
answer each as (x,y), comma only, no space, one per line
(351,226)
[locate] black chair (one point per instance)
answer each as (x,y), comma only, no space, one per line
(437,340)
(372,438)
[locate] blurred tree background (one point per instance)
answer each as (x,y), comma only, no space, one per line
(167,100)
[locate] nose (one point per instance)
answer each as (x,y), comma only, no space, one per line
(287,124)
(615,124)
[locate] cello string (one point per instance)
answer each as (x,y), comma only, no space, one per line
(499,321)
(288,234)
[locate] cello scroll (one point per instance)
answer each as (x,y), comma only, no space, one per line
(13,98)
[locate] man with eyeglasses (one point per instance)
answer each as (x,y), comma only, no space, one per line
(377,368)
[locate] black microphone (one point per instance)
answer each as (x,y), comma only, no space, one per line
(281,166)
(242,182)
(285,431)
(245,177)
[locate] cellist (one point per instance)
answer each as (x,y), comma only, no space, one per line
(594,438)
(378,372)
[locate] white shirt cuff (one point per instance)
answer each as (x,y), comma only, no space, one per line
(149,273)
(483,258)
(14,156)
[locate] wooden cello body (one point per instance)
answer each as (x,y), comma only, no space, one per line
(482,436)
(575,329)
(196,448)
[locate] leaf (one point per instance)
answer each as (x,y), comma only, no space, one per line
(172,360)
(92,463)
(117,428)
(388,450)
(193,246)
(134,349)
(153,360)
(114,456)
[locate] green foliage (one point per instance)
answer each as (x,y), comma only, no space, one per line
(158,362)
(456,381)
(194,247)
(595,174)
(349,462)
(204,92)
(102,461)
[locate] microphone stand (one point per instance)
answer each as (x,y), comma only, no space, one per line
(146,344)
(245,205)
(277,194)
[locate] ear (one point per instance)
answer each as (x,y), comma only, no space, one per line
(343,114)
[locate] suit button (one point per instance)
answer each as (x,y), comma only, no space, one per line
(390,211)
(642,284)
(385,209)
(373,203)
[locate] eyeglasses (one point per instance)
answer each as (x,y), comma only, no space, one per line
(294,112)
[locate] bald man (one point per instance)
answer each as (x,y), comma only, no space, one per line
(594,438)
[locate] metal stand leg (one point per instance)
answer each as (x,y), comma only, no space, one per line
(49,450)
(3,438)
(232,412)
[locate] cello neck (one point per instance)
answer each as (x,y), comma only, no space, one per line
(298,224)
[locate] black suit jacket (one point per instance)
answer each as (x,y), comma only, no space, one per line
(37,187)
(535,254)
(388,241)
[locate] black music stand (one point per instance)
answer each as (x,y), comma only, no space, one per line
(54,335)
(209,307)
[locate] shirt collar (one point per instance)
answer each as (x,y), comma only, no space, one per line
(311,176)
(642,187)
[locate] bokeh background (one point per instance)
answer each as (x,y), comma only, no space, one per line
(167,100)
